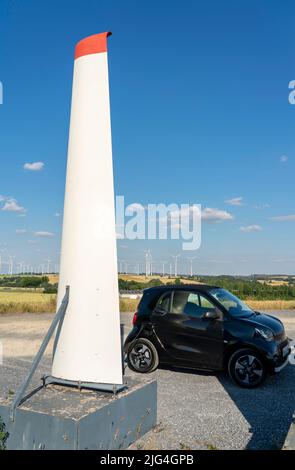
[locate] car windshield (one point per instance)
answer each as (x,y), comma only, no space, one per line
(231,303)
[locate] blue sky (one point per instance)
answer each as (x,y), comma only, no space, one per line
(200,114)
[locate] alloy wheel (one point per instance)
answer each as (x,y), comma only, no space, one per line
(140,356)
(249,369)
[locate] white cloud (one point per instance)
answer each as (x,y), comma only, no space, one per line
(19,231)
(283,218)
(284,158)
(251,228)
(212,215)
(57,214)
(236,201)
(11,205)
(36,166)
(44,234)
(261,206)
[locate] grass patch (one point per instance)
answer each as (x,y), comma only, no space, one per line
(37,302)
(22,302)
(164,279)
(128,305)
(271,304)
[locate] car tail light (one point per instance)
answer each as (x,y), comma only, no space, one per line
(134,318)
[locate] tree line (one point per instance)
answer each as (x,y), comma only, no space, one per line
(29,282)
(243,288)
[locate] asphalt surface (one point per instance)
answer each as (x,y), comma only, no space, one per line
(196,410)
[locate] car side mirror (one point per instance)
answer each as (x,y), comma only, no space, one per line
(211,315)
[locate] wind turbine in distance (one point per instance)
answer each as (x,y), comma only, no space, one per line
(124,271)
(163,267)
(148,261)
(11,263)
(152,264)
(48,265)
(119,266)
(175,263)
(191,259)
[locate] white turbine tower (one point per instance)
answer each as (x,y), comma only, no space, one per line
(147,271)
(11,264)
(123,269)
(191,259)
(48,265)
(88,348)
(163,268)
(151,262)
(175,263)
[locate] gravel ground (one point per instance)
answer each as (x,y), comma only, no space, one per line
(196,410)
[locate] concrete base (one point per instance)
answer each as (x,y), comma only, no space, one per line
(58,417)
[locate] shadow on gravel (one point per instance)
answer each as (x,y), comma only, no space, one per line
(268,409)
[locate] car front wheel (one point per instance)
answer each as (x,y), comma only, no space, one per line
(247,368)
(142,356)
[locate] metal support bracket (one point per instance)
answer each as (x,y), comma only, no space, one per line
(46,380)
(110,388)
(56,321)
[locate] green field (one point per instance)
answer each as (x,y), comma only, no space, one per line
(36,302)
(18,301)
(20,294)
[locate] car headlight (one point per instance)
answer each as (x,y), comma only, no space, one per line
(264,333)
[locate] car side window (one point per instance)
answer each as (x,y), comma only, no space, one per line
(179,301)
(164,302)
(186,303)
(205,303)
(191,304)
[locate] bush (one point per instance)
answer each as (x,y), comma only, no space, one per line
(250,288)
(135,285)
(23,281)
(50,288)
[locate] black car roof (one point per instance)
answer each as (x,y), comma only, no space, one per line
(197,287)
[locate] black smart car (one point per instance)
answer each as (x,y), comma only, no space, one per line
(205,327)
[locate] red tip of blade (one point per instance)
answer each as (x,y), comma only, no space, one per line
(92,45)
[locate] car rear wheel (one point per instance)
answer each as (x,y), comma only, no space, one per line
(247,368)
(142,356)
